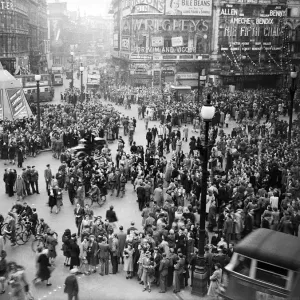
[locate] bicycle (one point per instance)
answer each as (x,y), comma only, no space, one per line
(38,242)
(99,200)
(7,236)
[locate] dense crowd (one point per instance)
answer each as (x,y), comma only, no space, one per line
(253,183)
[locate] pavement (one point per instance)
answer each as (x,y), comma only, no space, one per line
(93,287)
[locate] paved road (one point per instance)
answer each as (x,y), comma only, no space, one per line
(110,287)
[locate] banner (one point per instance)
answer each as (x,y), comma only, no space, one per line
(177,41)
(157,41)
(16,101)
(189,7)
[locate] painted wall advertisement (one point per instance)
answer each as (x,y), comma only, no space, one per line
(251,26)
(177,41)
(16,101)
(189,7)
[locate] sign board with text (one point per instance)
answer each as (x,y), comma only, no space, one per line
(187,75)
(189,7)
(157,41)
(177,41)
(136,7)
(251,27)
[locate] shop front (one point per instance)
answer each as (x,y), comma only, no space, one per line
(138,80)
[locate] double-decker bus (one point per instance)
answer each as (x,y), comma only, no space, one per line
(30,87)
(57,75)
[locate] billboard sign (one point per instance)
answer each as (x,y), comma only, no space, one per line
(125,43)
(16,100)
(251,26)
(157,41)
(135,7)
(177,41)
(189,8)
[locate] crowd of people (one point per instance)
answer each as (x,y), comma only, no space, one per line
(253,180)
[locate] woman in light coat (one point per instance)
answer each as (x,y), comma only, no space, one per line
(215,282)
(20,188)
(128,260)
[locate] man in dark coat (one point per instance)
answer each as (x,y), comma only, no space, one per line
(140,191)
(163,273)
(71,285)
(103,253)
(10,183)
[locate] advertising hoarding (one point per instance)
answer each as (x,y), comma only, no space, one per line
(189,7)
(251,27)
(177,41)
(125,43)
(157,41)
(135,7)
(16,100)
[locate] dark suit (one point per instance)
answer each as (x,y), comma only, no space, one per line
(103,253)
(163,273)
(178,271)
(140,191)
(78,217)
(71,287)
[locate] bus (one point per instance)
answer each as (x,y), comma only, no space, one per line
(30,87)
(57,75)
(265,265)
(93,81)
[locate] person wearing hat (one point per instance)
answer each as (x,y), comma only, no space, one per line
(146,276)
(163,273)
(50,243)
(48,178)
(71,285)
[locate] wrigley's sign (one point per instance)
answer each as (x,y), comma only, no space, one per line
(6,5)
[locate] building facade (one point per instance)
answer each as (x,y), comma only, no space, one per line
(159,41)
(23,35)
(244,43)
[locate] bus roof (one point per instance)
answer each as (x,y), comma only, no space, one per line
(181,87)
(276,248)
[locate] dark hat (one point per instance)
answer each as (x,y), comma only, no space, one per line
(33,167)
(48,165)
(28,167)
(23,169)
(73,235)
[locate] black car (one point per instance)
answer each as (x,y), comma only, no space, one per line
(87,148)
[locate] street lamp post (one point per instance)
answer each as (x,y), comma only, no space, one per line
(72,62)
(200,274)
(81,82)
(38,79)
(293,89)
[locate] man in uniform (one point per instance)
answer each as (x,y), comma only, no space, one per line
(34,180)
(163,273)
(26,176)
(48,178)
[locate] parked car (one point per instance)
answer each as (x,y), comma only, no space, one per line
(85,148)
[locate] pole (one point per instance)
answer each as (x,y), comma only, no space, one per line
(198,87)
(38,106)
(200,275)
(292,94)
(72,81)
(203,193)
(81,83)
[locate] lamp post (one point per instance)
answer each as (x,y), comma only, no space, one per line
(38,79)
(200,274)
(72,63)
(293,89)
(81,69)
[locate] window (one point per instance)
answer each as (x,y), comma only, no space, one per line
(242,265)
(46,90)
(271,274)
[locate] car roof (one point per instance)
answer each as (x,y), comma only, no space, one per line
(272,247)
